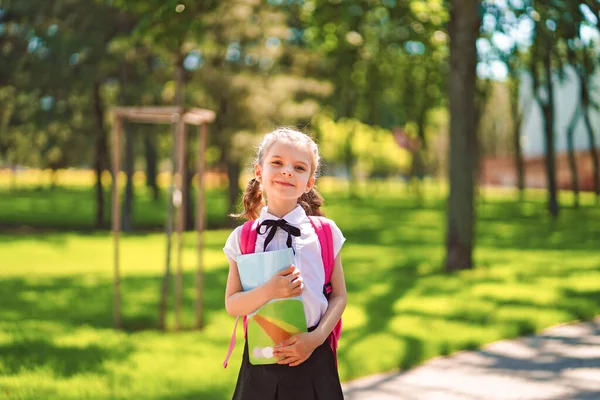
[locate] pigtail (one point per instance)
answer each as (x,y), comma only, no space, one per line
(312,202)
(252,202)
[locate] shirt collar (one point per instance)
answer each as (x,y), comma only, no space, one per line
(294,217)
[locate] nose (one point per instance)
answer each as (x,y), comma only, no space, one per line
(286,172)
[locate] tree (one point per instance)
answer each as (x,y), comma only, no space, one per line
(580,64)
(518,112)
(588,65)
(506,24)
(67,57)
(463,30)
(542,59)
(168,25)
(255,78)
(386,62)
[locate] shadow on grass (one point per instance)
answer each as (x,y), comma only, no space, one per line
(379,311)
(506,224)
(74,301)
(64,361)
(402,277)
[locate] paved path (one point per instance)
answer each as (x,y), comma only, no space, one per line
(561,363)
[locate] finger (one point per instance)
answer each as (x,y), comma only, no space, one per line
(285,352)
(296,283)
(286,271)
(287,360)
(287,342)
(291,276)
(296,363)
(294,274)
(298,290)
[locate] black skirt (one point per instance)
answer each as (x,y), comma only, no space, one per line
(315,379)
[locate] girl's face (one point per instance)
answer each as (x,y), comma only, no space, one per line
(285,172)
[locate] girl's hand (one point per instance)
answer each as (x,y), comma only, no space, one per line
(286,283)
(297,349)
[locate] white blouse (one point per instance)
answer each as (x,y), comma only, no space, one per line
(307,256)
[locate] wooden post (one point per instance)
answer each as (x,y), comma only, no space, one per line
(181,171)
(116,221)
(164,292)
(200,218)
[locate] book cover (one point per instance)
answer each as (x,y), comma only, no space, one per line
(277,320)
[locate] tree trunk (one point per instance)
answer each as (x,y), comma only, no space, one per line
(517,118)
(190,210)
(151,166)
(234,170)
(127,217)
(419,155)
(483,89)
(548,111)
(349,160)
(188,202)
(227,160)
(463,30)
(127,133)
(181,160)
(201,219)
(571,153)
(166,281)
(53,177)
(519,164)
(13,177)
(101,154)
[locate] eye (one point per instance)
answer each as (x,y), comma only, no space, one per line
(300,168)
(276,162)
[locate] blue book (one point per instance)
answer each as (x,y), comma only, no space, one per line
(277,320)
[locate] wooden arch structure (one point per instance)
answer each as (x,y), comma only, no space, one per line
(179,118)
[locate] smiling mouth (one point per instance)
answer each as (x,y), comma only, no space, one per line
(284,183)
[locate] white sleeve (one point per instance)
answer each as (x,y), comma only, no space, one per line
(338,238)
(232,247)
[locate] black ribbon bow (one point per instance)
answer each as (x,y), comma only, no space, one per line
(273,225)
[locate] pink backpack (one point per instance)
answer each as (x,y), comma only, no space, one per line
(323,230)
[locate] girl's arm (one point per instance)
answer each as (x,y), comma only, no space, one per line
(286,283)
(337,302)
(297,349)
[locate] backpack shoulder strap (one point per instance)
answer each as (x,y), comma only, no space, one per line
(248,237)
(325,235)
(323,230)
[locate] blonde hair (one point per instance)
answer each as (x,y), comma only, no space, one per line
(253,201)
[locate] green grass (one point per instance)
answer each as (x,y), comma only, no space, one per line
(73,208)
(57,341)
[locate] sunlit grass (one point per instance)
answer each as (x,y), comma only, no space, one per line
(57,341)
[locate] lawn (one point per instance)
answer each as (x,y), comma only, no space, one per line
(71,206)
(56,339)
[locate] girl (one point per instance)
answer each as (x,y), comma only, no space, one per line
(286,167)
